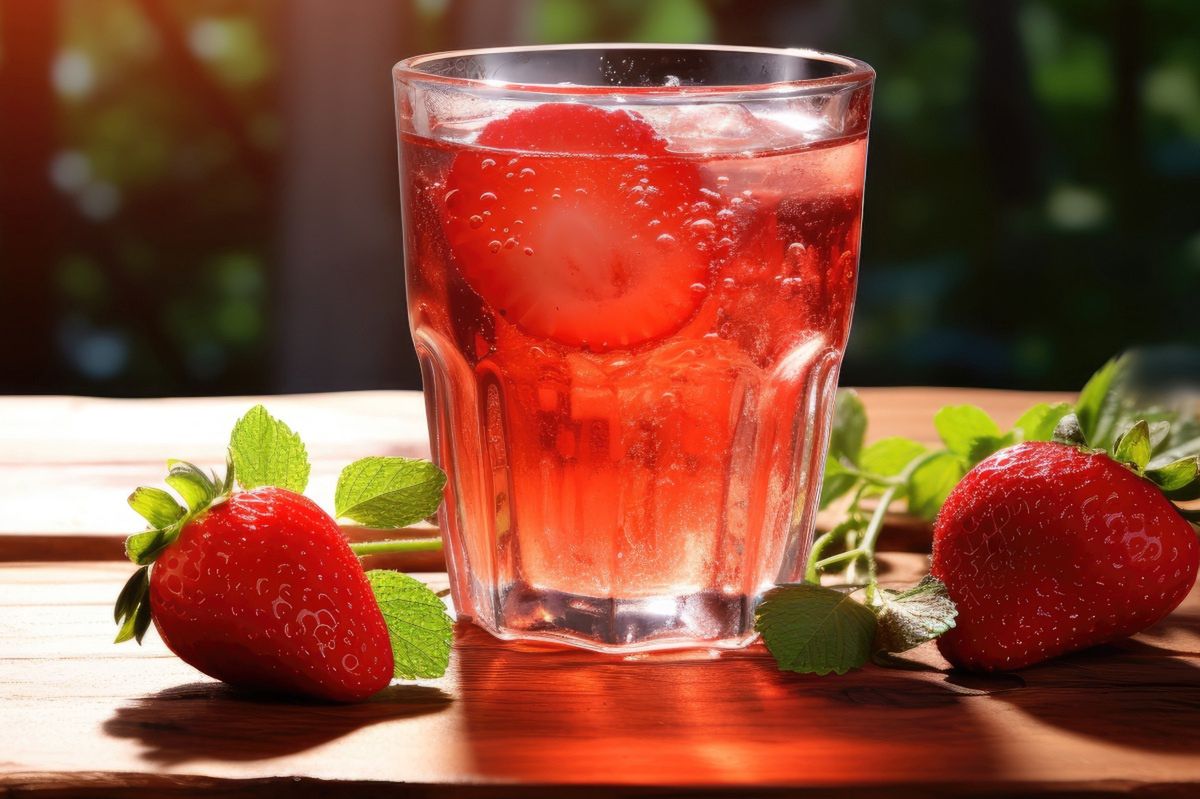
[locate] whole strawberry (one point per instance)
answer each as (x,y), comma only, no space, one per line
(260,589)
(1046,548)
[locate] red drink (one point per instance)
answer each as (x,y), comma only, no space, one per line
(629,348)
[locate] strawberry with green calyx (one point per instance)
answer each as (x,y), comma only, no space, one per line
(260,589)
(1050,547)
(839,617)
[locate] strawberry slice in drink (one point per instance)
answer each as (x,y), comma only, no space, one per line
(577,225)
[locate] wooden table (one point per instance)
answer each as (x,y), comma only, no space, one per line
(80,716)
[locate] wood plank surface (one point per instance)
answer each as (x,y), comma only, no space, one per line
(79,712)
(67,463)
(81,716)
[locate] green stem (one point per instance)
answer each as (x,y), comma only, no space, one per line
(398,545)
(865,547)
(841,557)
(811,574)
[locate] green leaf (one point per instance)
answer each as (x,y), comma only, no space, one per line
(1179,480)
(888,456)
(932,482)
(960,425)
(1177,474)
(156,506)
(1096,408)
(141,621)
(909,618)
(265,452)
(1186,494)
(1038,423)
(131,593)
(143,548)
(1178,450)
(815,630)
(849,426)
(417,622)
(984,446)
(191,483)
(132,611)
(388,492)
(1134,447)
(835,482)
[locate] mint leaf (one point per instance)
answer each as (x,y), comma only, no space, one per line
(417,622)
(815,630)
(932,482)
(849,426)
(888,456)
(1097,407)
(265,452)
(1133,447)
(156,506)
(388,492)
(960,426)
(1038,423)
(835,482)
(909,618)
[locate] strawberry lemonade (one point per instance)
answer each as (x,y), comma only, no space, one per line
(630,317)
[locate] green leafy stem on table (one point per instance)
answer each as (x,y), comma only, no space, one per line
(818,626)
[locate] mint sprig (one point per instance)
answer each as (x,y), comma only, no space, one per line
(796,620)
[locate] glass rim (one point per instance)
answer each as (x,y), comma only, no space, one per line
(857,73)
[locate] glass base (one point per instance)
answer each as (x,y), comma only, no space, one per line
(705,620)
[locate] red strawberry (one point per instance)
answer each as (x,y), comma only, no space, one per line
(576,224)
(1047,548)
(262,591)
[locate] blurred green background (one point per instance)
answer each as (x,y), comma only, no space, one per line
(199,196)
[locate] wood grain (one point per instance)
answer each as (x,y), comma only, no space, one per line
(82,715)
(67,463)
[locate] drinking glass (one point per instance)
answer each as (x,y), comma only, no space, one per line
(630,274)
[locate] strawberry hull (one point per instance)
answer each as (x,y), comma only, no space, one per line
(1046,549)
(629,354)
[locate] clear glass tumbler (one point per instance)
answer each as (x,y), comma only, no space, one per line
(631,271)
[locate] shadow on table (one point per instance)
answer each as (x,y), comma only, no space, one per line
(213,721)
(1131,693)
(542,714)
